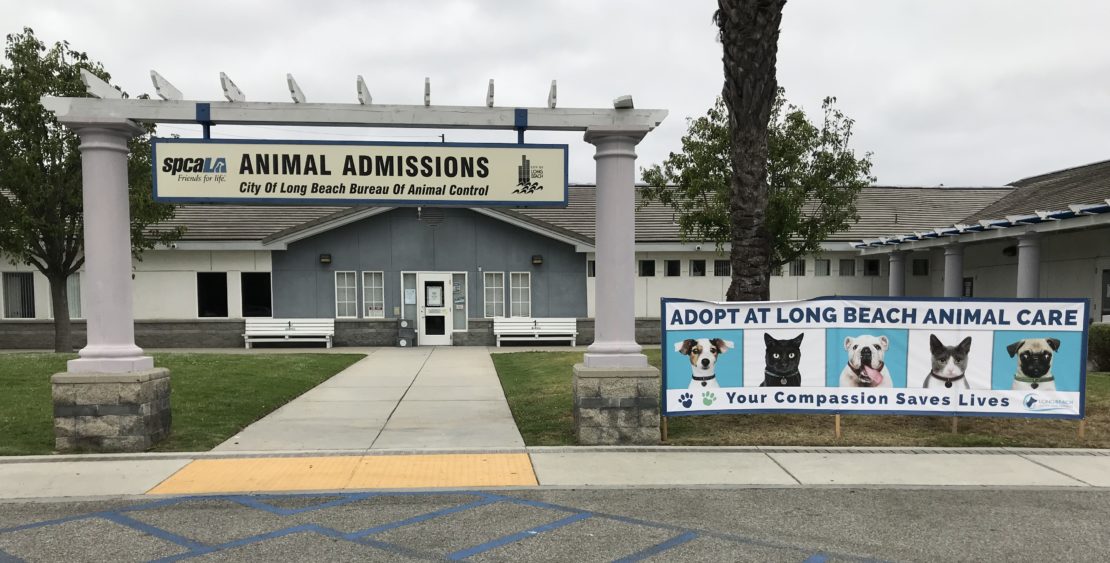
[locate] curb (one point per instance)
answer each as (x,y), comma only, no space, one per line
(155,456)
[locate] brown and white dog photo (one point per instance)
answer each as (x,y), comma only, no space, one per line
(703,353)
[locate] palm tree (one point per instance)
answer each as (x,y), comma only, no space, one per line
(749,35)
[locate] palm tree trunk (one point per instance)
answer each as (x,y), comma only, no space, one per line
(749,33)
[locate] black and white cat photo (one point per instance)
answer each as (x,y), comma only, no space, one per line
(949,366)
(783,358)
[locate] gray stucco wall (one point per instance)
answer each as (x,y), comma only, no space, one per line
(395,241)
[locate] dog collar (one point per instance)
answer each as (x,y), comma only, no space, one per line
(783,379)
(948,381)
(703,378)
(1034,380)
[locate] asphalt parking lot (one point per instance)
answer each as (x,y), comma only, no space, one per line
(759,524)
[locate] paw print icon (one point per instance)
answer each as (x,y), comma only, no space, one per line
(686,399)
(707,398)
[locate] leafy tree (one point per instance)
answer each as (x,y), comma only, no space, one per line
(813,178)
(40,171)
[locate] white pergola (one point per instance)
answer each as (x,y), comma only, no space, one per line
(107,121)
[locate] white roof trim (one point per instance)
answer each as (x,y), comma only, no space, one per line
(1089,221)
(578,244)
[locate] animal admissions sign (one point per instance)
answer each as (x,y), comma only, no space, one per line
(862,355)
(359,173)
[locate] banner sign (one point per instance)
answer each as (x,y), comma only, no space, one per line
(359,173)
(864,355)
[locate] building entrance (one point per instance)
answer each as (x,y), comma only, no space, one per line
(434,315)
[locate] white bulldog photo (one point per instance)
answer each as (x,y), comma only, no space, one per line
(866,367)
(703,353)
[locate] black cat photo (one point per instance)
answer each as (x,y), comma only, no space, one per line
(783,358)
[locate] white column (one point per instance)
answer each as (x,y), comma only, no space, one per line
(954,270)
(111,325)
(615,316)
(1029,265)
(896,281)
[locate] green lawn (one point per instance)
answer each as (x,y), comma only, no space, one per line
(214,395)
(538,386)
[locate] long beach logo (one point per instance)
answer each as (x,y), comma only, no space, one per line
(1034,403)
(525,174)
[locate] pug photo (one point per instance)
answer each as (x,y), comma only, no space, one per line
(1034,363)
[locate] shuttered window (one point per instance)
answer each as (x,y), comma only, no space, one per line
(19,295)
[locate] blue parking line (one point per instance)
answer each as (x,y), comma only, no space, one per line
(485,500)
(6,557)
(152,530)
(816,558)
(658,548)
(45,523)
(258,503)
(513,538)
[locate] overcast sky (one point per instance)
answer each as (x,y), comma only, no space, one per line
(953,92)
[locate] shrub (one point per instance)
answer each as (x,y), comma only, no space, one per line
(1098,346)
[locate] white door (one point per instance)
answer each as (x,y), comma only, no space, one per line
(433,310)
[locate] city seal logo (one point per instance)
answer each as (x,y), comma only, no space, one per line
(525,174)
(1034,403)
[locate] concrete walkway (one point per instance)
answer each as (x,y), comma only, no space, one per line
(395,398)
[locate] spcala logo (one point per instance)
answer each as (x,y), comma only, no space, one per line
(179,165)
(525,174)
(1034,403)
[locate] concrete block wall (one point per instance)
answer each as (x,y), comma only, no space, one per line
(616,405)
(366,332)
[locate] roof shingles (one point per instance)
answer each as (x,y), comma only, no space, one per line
(1053,191)
(882,210)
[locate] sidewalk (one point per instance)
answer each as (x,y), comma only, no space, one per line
(668,467)
(395,398)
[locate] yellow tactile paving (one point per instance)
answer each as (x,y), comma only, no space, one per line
(242,475)
(260,474)
(449,470)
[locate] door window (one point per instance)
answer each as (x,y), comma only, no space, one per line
(433,294)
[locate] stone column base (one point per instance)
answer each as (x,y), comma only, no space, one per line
(616,405)
(111,412)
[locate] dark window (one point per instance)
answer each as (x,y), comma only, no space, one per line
(19,295)
(697,268)
(848,267)
(211,294)
(776,270)
(969,287)
(1106,293)
(256,294)
(920,267)
(722,268)
(591,268)
(672,268)
(647,268)
(871,266)
(821,267)
(798,267)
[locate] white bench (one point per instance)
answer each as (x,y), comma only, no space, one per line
(288,330)
(525,328)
